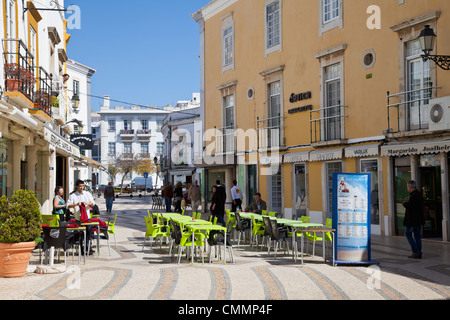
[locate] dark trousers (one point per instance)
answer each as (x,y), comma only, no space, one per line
(414,236)
(219,219)
(237,205)
(168,204)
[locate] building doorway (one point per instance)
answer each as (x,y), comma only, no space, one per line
(430,184)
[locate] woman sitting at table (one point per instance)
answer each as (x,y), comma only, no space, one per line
(59,204)
(217,206)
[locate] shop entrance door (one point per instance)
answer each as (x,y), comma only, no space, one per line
(430,178)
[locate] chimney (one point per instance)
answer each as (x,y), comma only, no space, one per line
(106,103)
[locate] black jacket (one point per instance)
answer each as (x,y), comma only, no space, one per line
(414,210)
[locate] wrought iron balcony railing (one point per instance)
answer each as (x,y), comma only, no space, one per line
(270,132)
(327,124)
(411,112)
(19,68)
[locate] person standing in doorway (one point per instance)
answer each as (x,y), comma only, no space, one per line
(108,194)
(414,220)
(236,195)
(195,195)
(222,192)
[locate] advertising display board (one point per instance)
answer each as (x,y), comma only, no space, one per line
(351,218)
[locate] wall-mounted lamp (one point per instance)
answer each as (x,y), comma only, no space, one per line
(427,39)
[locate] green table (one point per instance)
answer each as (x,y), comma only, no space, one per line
(196,227)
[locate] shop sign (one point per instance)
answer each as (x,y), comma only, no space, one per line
(60,143)
(362,151)
(416,148)
(300,97)
(83,141)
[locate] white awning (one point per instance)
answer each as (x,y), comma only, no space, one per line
(273,159)
(362,151)
(325,155)
(415,148)
(296,157)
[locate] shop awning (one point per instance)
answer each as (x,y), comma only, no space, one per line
(325,155)
(362,151)
(296,157)
(415,148)
(272,159)
(60,143)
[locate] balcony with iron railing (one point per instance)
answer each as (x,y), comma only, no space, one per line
(410,114)
(327,125)
(143,134)
(43,98)
(127,134)
(20,79)
(270,133)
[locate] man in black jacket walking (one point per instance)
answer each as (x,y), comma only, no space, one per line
(414,220)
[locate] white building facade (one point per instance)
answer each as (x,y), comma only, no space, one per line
(133,131)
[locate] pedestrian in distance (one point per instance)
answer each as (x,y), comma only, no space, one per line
(236,195)
(217,206)
(414,220)
(108,194)
(168,195)
(195,196)
(178,196)
(222,191)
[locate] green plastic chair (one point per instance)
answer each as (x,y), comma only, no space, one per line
(183,212)
(154,231)
(264,212)
(231,219)
(111,228)
(51,220)
(329,225)
(312,237)
(257,229)
(215,219)
(272,214)
(184,239)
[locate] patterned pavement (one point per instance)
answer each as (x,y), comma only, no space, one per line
(132,274)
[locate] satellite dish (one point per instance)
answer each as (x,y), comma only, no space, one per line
(436,113)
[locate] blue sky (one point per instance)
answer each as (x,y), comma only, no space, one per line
(145,51)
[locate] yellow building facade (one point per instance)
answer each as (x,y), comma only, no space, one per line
(293,91)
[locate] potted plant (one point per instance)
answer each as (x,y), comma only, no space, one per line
(20,226)
(12,76)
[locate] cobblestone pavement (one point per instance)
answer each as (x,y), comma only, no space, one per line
(131,273)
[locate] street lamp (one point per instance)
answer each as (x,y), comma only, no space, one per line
(427,39)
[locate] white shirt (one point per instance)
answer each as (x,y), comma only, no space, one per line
(236,193)
(80,197)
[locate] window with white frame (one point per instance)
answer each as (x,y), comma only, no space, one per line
(144,149)
(127,148)
(160,147)
(330,15)
(332,110)
(144,124)
(228,43)
(111,125)
(111,148)
(159,125)
(273,25)
(126,124)
(330,10)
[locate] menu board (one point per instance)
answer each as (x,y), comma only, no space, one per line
(351,218)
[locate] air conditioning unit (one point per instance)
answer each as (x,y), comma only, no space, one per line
(440,114)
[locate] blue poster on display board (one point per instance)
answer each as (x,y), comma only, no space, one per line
(351,218)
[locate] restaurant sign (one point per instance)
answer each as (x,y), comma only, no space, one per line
(60,143)
(83,141)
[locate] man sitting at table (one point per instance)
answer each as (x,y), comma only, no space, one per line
(258,205)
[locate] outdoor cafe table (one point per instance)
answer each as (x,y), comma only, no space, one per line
(83,229)
(311,227)
(210,227)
